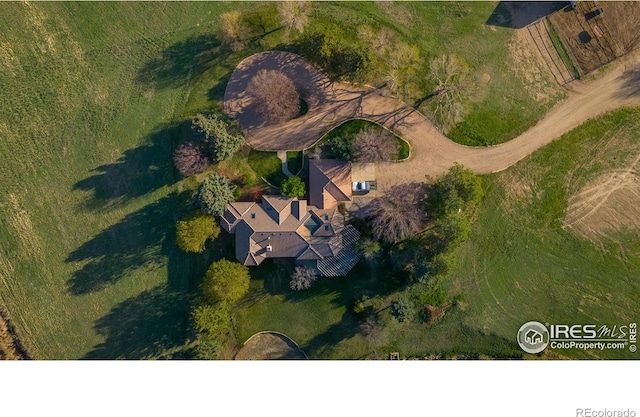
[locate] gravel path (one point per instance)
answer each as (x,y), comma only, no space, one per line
(330,104)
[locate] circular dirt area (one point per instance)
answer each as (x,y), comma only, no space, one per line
(607,205)
(270,345)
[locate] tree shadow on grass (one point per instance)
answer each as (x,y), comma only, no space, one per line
(149,325)
(141,240)
(183,61)
(138,171)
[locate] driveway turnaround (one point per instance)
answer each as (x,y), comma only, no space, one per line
(331,104)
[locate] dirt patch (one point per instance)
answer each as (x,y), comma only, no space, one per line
(606,206)
(530,67)
(10,346)
(432,314)
(269,346)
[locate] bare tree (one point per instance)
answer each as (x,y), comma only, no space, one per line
(233,30)
(375,145)
(302,278)
(403,64)
(399,213)
(455,86)
(275,95)
(190,158)
(294,14)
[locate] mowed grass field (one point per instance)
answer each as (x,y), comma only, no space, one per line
(521,264)
(92,103)
(95,98)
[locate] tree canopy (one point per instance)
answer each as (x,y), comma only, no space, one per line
(398,214)
(293,187)
(191,158)
(233,30)
(456,190)
(216,133)
(294,14)
(375,145)
(226,281)
(214,193)
(194,230)
(276,97)
(454,88)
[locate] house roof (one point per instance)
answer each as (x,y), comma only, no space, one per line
(329,182)
(282,227)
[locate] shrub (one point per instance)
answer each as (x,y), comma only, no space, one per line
(211,320)
(214,193)
(275,95)
(226,281)
(194,230)
(370,249)
(190,158)
(293,187)
(216,133)
(375,145)
(402,309)
(302,278)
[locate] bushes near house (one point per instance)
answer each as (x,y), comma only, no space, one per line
(214,193)
(302,278)
(225,281)
(194,230)
(216,133)
(293,187)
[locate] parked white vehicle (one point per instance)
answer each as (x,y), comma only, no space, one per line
(361,186)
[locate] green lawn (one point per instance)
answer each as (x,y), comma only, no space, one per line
(519,265)
(94,95)
(267,165)
(95,98)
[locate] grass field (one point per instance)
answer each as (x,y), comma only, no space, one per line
(519,265)
(92,105)
(95,97)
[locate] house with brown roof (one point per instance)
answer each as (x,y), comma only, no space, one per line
(313,233)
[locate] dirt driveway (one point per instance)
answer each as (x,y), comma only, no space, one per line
(331,104)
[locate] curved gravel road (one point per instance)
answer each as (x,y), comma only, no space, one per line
(432,153)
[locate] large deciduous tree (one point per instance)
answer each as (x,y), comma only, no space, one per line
(194,230)
(375,145)
(214,193)
(454,88)
(294,14)
(216,133)
(233,30)
(225,281)
(191,158)
(275,95)
(398,214)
